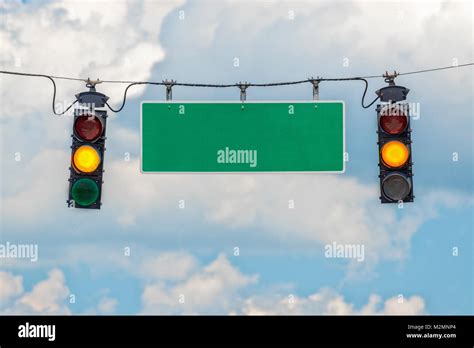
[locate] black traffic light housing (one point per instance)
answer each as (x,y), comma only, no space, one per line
(87,150)
(396,182)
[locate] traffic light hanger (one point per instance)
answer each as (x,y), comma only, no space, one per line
(92,99)
(392,93)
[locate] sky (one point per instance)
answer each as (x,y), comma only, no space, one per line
(236,247)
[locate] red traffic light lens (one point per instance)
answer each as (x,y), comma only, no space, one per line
(393,120)
(88,127)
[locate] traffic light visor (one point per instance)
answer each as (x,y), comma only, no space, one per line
(395,154)
(85,191)
(86,159)
(88,127)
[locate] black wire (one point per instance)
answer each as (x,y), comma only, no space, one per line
(364,79)
(125,94)
(240,85)
(205,85)
(245,85)
(436,69)
(363,95)
(235,84)
(289,82)
(54,89)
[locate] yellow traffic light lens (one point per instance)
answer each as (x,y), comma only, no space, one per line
(395,154)
(86,159)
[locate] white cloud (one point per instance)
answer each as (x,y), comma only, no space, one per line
(413,305)
(38,194)
(216,288)
(321,37)
(76,39)
(10,286)
(107,305)
(48,296)
(123,141)
(329,302)
(328,208)
(169,266)
(220,288)
(209,289)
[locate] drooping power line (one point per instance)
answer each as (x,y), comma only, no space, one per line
(241,85)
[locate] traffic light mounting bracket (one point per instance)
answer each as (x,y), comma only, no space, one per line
(392,93)
(92,97)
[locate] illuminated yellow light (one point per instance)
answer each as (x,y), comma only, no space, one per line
(395,154)
(86,159)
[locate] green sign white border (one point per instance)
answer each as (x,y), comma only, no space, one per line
(243,103)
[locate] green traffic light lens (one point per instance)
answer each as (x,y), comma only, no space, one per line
(85,191)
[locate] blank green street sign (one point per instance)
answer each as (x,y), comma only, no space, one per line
(242,137)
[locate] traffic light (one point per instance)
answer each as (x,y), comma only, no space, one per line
(87,155)
(394,141)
